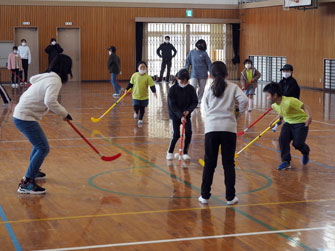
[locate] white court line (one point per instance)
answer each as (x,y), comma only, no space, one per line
(190,239)
(323,122)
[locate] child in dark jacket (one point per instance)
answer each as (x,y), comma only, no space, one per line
(182,100)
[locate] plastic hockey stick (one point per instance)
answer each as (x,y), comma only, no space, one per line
(98,119)
(182,139)
(246,129)
(245,87)
(105,158)
(255,139)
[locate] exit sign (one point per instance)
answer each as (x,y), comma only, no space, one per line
(189,13)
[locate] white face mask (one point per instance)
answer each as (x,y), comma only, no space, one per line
(182,85)
(286,74)
(53,42)
(110,53)
(167,41)
(248,66)
(15,52)
(23,44)
(142,72)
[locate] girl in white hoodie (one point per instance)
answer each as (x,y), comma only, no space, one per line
(220,130)
(33,105)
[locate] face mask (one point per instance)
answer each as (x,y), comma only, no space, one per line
(182,85)
(53,42)
(142,72)
(286,74)
(167,41)
(110,53)
(15,52)
(23,44)
(248,66)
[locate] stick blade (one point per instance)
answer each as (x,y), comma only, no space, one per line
(111,158)
(236,155)
(240,133)
(201,162)
(94,120)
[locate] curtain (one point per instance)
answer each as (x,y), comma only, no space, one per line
(232,68)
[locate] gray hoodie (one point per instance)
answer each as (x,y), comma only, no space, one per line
(220,112)
(200,64)
(41,97)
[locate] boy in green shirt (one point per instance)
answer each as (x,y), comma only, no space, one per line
(297,117)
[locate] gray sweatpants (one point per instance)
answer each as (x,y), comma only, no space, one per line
(199,86)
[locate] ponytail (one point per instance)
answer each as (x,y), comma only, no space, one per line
(219,72)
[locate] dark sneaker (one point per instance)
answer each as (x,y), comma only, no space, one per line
(40,176)
(284,165)
(29,187)
(305,159)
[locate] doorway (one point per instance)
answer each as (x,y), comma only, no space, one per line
(69,40)
(31,35)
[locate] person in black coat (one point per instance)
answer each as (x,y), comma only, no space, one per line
(53,49)
(289,87)
(182,100)
(165,52)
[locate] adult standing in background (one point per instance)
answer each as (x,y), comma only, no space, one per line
(165,52)
(200,64)
(25,55)
(53,49)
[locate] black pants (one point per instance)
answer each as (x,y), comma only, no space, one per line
(141,109)
(297,133)
(15,73)
(25,66)
(213,140)
(165,62)
(176,134)
(6,99)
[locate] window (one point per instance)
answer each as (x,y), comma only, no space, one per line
(269,67)
(329,74)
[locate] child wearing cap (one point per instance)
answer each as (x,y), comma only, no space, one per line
(249,78)
(297,117)
(289,87)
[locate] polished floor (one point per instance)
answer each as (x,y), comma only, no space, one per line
(141,202)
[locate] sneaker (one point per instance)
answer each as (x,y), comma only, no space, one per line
(186,157)
(29,187)
(274,129)
(115,95)
(140,122)
(202,200)
(305,159)
(13,85)
(17,85)
(21,84)
(169,156)
(135,115)
(232,202)
(249,110)
(284,165)
(40,176)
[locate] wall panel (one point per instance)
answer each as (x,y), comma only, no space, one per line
(100,27)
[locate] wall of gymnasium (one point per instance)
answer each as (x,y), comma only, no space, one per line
(304,37)
(99,28)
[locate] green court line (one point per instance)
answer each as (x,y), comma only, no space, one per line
(91,183)
(199,190)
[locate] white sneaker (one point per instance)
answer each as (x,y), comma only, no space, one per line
(13,85)
(140,122)
(232,202)
(186,157)
(135,115)
(274,129)
(169,156)
(202,200)
(116,95)
(17,85)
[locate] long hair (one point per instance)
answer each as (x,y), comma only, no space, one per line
(61,65)
(219,72)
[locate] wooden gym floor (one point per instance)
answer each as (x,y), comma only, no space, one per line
(141,202)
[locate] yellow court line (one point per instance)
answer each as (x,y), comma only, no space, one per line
(163,211)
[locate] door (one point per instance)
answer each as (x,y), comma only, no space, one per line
(31,35)
(69,40)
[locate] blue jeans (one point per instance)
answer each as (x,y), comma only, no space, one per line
(34,133)
(115,83)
